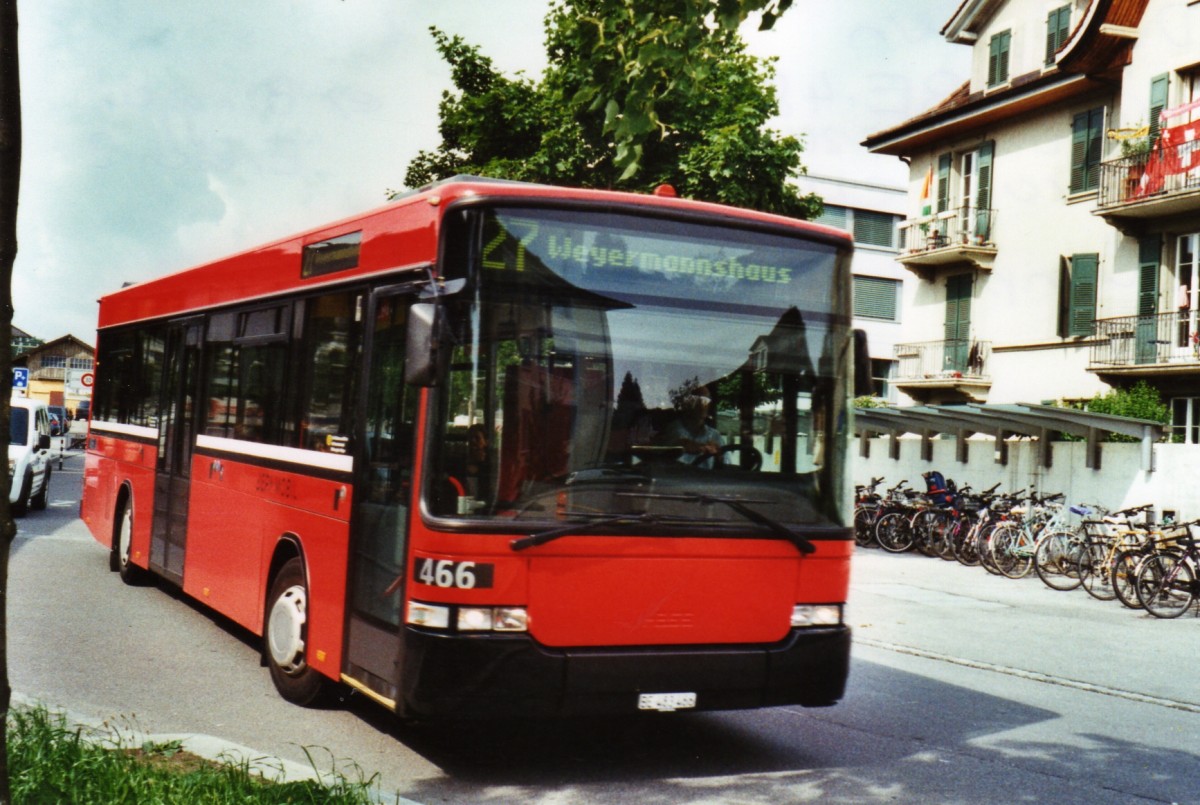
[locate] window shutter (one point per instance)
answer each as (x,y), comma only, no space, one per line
(1084,268)
(833,216)
(983,195)
(943,182)
(1159,85)
(1087,129)
(1064,296)
(998,58)
(1149,253)
(1057,28)
(875,297)
(958,322)
(874,228)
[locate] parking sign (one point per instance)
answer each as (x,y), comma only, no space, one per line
(20,378)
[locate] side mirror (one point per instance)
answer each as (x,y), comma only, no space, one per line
(862,365)
(425,326)
(43,442)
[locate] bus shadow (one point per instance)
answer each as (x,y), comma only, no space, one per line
(887,715)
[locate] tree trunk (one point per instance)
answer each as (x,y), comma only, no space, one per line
(10,184)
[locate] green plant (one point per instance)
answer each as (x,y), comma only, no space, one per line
(53,761)
(1139,401)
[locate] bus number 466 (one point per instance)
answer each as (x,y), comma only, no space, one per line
(448,573)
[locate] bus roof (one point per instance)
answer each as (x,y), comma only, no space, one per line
(401,235)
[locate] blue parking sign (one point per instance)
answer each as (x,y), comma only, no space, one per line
(20,377)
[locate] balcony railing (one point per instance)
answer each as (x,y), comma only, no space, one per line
(1154,183)
(965,226)
(953,360)
(1163,340)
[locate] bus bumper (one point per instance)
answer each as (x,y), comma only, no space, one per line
(503,675)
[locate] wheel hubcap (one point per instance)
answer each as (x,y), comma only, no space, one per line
(285,629)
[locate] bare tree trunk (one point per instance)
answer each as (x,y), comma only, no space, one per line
(10,184)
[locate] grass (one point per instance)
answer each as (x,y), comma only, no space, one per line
(53,762)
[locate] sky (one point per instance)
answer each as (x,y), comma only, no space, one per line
(162,135)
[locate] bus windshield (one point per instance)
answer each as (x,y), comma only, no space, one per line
(683,374)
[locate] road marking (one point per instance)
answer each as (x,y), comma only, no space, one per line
(1033,676)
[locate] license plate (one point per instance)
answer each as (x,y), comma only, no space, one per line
(666,702)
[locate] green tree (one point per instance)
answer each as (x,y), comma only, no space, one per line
(638,93)
(1139,401)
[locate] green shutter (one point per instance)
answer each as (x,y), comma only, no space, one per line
(833,216)
(1084,270)
(874,228)
(875,297)
(1058,25)
(943,182)
(983,195)
(1087,131)
(1149,254)
(1159,85)
(998,58)
(958,322)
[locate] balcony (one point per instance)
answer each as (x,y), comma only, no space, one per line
(955,370)
(1160,184)
(1158,344)
(949,239)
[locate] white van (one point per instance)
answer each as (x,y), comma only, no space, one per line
(28,455)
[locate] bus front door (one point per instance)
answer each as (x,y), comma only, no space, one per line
(383,496)
(176,436)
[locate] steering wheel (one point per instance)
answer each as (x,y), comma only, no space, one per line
(756,457)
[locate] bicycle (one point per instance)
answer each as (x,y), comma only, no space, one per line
(867,507)
(1056,558)
(1103,544)
(1166,580)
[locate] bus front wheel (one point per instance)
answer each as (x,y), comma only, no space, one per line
(285,635)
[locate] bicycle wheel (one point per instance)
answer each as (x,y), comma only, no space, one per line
(893,534)
(986,541)
(1123,576)
(1009,553)
(966,549)
(864,526)
(924,525)
(1166,585)
(1056,560)
(1094,573)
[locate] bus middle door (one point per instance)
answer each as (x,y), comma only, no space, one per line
(176,437)
(383,494)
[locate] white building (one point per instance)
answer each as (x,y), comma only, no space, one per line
(1053,220)
(871,213)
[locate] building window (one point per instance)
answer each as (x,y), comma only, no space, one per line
(875,228)
(1058,26)
(1087,131)
(80,363)
(54,361)
(876,298)
(998,50)
(1077,294)
(882,372)
(868,227)
(834,216)
(1185,420)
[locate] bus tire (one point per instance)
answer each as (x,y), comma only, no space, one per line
(130,573)
(285,635)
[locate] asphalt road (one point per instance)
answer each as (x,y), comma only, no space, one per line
(965,688)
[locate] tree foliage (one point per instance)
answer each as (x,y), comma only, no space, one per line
(638,93)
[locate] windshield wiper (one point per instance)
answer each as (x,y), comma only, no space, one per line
(802,543)
(542,537)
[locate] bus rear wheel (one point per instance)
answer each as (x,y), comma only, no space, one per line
(285,636)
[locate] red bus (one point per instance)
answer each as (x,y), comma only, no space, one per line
(498,449)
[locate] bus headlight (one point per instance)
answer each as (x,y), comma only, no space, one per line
(429,615)
(492,619)
(804,615)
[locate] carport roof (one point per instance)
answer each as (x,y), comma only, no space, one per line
(1001,421)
